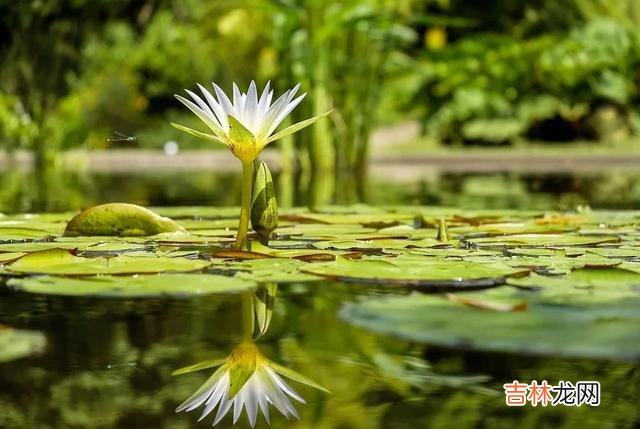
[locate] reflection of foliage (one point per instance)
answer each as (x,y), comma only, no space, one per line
(57,189)
(18,343)
(160,335)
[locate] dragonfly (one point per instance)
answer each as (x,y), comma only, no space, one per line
(119,137)
(133,365)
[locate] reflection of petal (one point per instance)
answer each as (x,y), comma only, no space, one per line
(284,386)
(262,387)
(218,393)
(279,399)
(225,406)
(203,393)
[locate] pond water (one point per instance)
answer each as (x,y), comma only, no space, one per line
(23,191)
(108,362)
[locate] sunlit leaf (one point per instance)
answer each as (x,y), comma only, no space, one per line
(64,262)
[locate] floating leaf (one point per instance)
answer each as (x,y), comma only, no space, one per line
(9,257)
(65,262)
(7,233)
(543,329)
(119,219)
(541,240)
(415,272)
(586,286)
(383,243)
(273,270)
(175,285)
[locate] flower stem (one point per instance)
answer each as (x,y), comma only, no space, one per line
(245,207)
(248,321)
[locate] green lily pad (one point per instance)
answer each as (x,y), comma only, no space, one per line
(104,244)
(415,272)
(560,265)
(615,252)
(119,219)
(198,212)
(19,343)
(384,243)
(586,286)
(541,329)
(541,240)
(15,233)
(375,220)
(153,285)
(272,270)
(316,232)
(64,262)
(10,256)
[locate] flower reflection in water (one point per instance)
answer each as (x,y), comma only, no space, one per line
(247,379)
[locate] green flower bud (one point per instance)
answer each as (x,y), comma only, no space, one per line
(264,207)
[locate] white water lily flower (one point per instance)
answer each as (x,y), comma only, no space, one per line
(245,380)
(247,124)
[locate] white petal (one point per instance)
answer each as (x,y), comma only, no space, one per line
(223,409)
(203,392)
(204,116)
(204,106)
(273,111)
(263,400)
(251,106)
(265,99)
(251,404)
(216,108)
(285,387)
(195,401)
(238,402)
(278,398)
(278,120)
(218,393)
(238,103)
(224,101)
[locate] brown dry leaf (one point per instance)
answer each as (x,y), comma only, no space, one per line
(240,254)
(316,257)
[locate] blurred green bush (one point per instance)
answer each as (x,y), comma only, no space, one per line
(576,79)
(490,72)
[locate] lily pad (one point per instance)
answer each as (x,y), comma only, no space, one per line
(380,244)
(541,329)
(416,272)
(19,343)
(541,240)
(15,233)
(174,285)
(586,286)
(119,219)
(280,270)
(65,262)
(10,256)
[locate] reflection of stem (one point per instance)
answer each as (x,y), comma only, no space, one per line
(247,316)
(245,208)
(263,300)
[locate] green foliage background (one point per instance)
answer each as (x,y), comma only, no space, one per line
(491,71)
